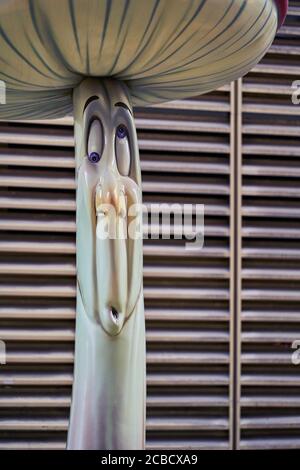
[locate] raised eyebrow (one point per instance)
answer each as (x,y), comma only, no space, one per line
(91,98)
(123,105)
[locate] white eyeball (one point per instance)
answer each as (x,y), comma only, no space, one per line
(122,149)
(95,141)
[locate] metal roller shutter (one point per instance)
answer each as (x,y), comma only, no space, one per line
(220,322)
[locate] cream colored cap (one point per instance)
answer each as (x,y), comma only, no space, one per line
(162,49)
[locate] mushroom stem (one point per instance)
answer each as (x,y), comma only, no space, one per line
(108,399)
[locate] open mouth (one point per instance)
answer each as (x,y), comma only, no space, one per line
(114,314)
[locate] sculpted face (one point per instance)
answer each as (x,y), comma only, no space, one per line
(109,261)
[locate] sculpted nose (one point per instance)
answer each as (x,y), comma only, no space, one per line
(110,195)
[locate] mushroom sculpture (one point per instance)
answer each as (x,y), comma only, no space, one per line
(97,58)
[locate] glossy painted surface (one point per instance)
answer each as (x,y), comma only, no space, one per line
(162,53)
(108,403)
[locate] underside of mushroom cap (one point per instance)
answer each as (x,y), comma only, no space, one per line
(162,49)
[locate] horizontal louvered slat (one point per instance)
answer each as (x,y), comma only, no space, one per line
(169,381)
(53,312)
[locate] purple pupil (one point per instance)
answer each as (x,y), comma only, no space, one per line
(121,131)
(94,157)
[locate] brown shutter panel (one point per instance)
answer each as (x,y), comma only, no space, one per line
(270,316)
(185,159)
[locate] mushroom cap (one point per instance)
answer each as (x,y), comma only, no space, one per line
(162,49)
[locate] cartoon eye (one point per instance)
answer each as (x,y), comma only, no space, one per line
(122,150)
(95,141)
(122,131)
(94,157)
